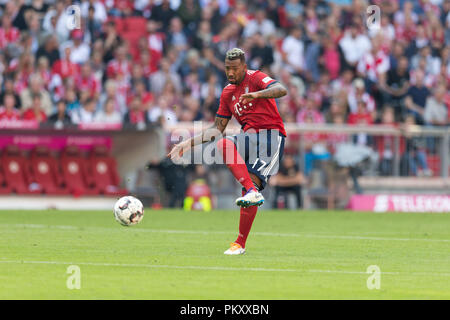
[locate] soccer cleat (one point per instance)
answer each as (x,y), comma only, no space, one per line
(235,249)
(251,198)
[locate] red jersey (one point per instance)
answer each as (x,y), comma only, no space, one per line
(258,114)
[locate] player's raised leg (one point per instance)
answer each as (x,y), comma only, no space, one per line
(238,168)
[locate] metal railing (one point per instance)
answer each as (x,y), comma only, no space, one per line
(439,136)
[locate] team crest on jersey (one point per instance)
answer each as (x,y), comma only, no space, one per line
(238,109)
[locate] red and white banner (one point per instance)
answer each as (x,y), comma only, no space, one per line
(19,124)
(28,142)
(400,203)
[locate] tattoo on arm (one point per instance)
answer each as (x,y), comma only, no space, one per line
(220,123)
(277,90)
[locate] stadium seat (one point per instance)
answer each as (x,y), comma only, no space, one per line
(17,173)
(120,24)
(103,169)
(132,38)
(4,188)
(75,174)
(47,172)
(135,24)
(434,163)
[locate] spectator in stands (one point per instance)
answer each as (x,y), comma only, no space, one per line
(210,93)
(32,37)
(190,13)
(395,85)
(36,88)
(136,115)
(49,49)
(163,14)
(293,52)
(9,35)
(435,112)
(85,114)
(358,93)
(80,51)
(55,21)
(72,101)
(261,53)
(430,63)
(362,117)
(64,67)
(288,180)
(60,118)
(373,64)
(98,8)
(111,40)
(386,144)
(310,113)
(330,58)
(9,89)
(192,64)
(260,24)
(8,111)
(35,111)
(176,36)
(416,98)
(120,64)
(203,37)
(397,52)
(354,46)
(43,69)
(93,26)
(16,11)
(86,80)
(111,93)
(108,114)
(146,97)
(312,58)
(161,112)
(414,160)
(159,79)
(293,10)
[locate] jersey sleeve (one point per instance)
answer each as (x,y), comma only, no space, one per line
(224,110)
(262,80)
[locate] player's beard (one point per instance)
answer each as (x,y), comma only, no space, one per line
(236,81)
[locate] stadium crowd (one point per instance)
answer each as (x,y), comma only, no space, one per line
(337,70)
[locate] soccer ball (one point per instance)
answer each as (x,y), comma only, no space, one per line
(128,211)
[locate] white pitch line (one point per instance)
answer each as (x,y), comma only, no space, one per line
(127,265)
(204,232)
(214,268)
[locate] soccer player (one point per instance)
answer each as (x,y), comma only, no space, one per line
(250,98)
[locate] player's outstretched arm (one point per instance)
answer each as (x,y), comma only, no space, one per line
(209,134)
(277,90)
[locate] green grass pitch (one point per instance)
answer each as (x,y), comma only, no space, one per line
(179,255)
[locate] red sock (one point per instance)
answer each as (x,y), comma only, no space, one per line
(235,163)
(245,223)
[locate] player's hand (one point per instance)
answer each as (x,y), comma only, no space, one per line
(247,97)
(177,151)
